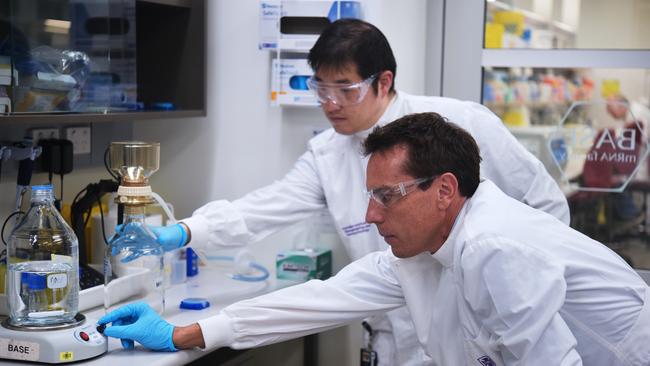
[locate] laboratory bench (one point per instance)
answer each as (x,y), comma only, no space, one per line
(211,284)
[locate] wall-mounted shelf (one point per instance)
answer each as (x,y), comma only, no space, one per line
(76,118)
(140,53)
(178,3)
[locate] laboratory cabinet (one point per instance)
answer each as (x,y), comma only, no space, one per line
(571,81)
(82,61)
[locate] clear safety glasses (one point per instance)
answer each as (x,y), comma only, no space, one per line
(386,196)
(340,94)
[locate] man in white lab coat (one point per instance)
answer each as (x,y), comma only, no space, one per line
(487,279)
(355,82)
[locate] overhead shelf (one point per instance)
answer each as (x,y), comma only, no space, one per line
(178,3)
(534,18)
(73,118)
(637,59)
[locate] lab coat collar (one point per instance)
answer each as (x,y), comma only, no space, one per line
(390,114)
(445,255)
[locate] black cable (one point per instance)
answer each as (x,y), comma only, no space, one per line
(2,232)
(77,196)
(101,214)
(108,169)
(90,212)
(61,198)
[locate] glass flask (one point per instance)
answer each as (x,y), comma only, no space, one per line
(42,259)
(133,264)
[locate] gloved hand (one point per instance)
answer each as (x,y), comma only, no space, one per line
(170,237)
(139,322)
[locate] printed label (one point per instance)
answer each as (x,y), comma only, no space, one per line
(486,361)
(57,280)
(18,350)
(355,229)
(66,356)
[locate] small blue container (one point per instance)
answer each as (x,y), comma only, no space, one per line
(192,262)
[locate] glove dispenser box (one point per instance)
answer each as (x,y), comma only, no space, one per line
(296,24)
(289,83)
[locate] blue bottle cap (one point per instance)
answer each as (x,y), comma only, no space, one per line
(42,187)
(194,303)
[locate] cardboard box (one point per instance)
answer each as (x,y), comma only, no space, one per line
(304,265)
(296,24)
(289,83)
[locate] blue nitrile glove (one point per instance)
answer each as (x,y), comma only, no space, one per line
(170,237)
(139,322)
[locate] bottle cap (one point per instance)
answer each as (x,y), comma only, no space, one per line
(194,303)
(42,187)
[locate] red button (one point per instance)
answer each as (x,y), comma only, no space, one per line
(84,336)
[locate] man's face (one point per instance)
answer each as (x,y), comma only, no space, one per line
(414,223)
(350,119)
(617,109)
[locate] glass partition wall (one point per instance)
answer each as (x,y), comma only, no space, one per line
(571,80)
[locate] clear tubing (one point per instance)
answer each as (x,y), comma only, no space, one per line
(165,207)
(243,260)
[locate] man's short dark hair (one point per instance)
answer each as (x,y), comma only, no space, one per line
(353,41)
(435,146)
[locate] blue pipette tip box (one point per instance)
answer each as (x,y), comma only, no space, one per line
(194,303)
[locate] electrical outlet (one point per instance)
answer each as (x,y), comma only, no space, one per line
(44,133)
(80,137)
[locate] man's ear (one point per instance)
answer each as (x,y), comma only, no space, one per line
(447,190)
(385,81)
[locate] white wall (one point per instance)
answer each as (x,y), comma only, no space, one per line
(243,143)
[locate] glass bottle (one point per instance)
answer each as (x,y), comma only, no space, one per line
(133,264)
(42,261)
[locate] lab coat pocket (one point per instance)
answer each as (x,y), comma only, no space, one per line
(478,351)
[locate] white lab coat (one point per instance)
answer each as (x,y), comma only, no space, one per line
(510,284)
(331,174)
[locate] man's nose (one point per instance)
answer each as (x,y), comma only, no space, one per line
(374,213)
(330,105)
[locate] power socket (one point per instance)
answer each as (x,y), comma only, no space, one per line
(44,133)
(80,137)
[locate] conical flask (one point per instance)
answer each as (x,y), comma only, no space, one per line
(43,265)
(133,264)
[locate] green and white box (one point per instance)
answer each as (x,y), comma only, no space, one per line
(304,264)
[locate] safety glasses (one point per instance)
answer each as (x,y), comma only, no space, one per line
(340,94)
(386,196)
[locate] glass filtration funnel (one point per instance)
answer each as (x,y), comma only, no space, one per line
(134,161)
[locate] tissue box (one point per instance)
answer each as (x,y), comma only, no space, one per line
(304,265)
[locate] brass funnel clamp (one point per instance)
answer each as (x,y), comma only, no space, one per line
(134,162)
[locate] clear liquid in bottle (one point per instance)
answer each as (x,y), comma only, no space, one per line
(42,258)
